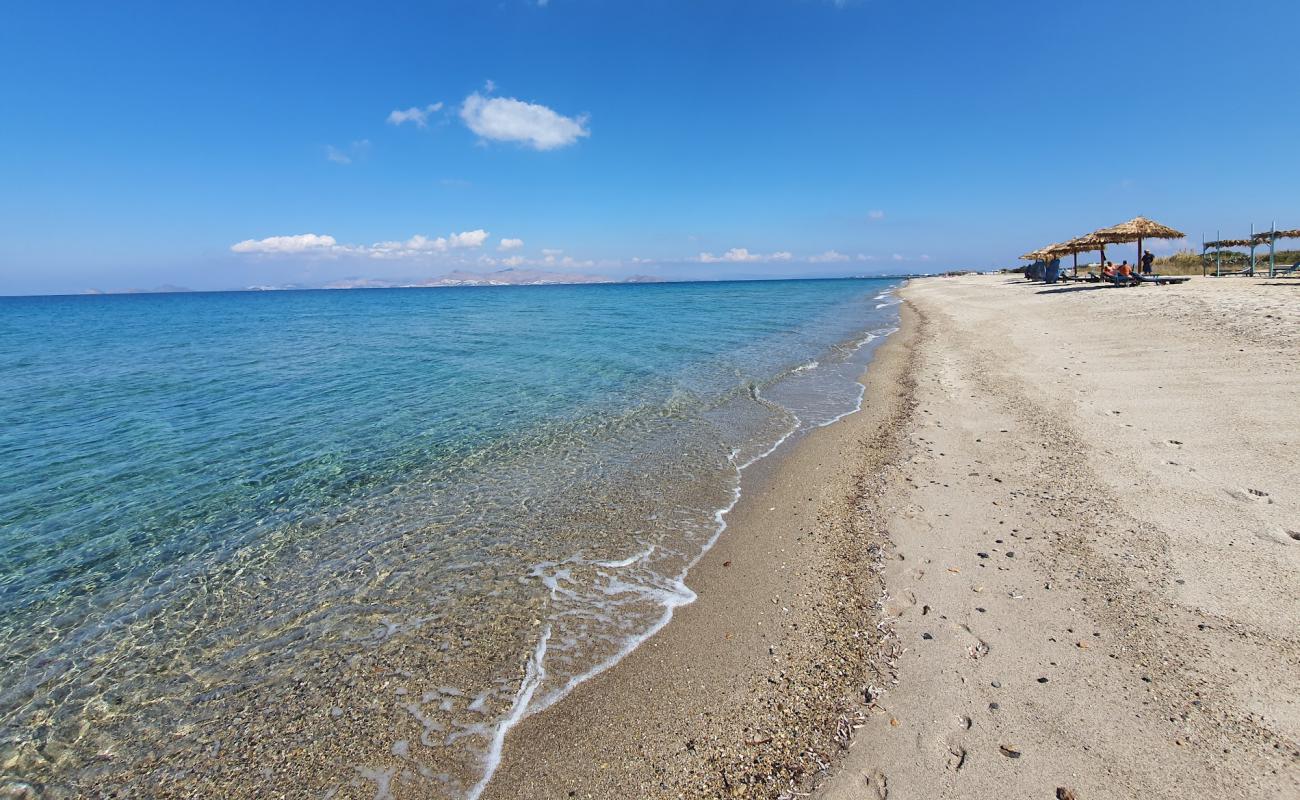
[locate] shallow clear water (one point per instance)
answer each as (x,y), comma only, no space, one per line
(369,529)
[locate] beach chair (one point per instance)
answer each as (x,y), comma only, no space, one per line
(1286,272)
(1161,280)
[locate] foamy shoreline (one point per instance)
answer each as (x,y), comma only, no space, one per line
(616,712)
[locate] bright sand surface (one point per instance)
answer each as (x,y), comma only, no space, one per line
(1056,555)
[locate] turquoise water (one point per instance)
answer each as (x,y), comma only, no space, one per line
(388,523)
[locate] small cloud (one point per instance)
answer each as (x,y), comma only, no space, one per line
(897,256)
(355,151)
(489,86)
(510,244)
(551,252)
(514,261)
(420,116)
(875,214)
(474,238)
(864,257)
(740,255)
(829,257)
(300,243)
(505,119)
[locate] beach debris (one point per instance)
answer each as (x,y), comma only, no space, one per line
(726,563)
(927,636)
(954,569)
(1009,751)
(1063,793)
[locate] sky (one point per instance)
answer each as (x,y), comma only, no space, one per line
(226,145)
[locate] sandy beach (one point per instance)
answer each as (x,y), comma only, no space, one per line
(1056,555)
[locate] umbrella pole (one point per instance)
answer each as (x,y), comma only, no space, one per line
(1272,248)
(1137,265)
(1252,249)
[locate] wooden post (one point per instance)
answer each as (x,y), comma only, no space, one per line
(1218,256)
(1252,249)
(1137,265)
(1203,270)
(1272,248)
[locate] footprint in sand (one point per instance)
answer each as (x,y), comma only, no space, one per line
(1249,495)
(976,648)
(875,786)
(1279,536)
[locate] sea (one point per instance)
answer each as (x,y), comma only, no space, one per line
(336,543)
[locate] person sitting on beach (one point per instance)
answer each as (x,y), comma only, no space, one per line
(1108,272)
(1124,274)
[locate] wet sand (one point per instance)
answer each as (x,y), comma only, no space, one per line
(1057,555)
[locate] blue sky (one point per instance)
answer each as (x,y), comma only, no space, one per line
(142,143)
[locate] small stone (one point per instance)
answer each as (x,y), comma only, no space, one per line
(926,636)
(996,684)
(1009,751)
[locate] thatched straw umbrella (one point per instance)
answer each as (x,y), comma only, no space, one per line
(1271,236)
(1085,244)
(1218,246)
(1135,230)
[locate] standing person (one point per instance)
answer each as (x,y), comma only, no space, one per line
(1147,261)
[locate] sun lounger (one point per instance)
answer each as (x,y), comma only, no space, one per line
(1282,272)
(1161,279)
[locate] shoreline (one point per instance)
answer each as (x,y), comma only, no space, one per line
(535,668)
(1039,562)
(743,736)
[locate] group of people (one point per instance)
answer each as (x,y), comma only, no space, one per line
(1124,273)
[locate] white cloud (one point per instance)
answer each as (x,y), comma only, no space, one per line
(420,116)
(897,256)
(547,251)
(356,150)
(829,257)
(311,244)
(489,86)
(505,119)
(875,214)
(301,243)
(739,255)
(510,244)
(474,238)
(514,261)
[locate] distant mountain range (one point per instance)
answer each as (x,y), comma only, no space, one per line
(503,277)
